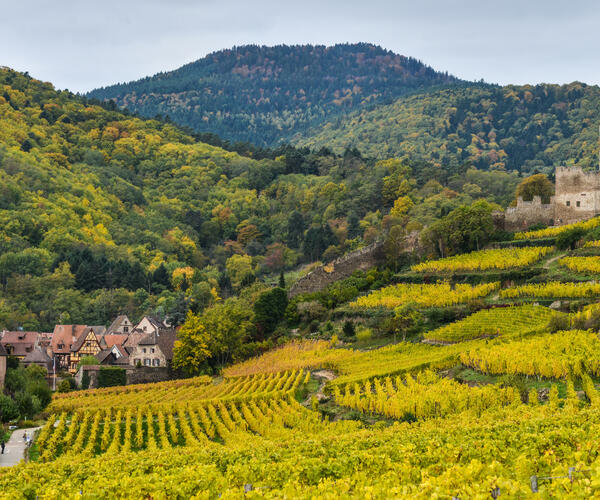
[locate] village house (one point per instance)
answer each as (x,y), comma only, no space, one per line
(63,338)
(38,357)
(154,349)
(110,339)
(115,355)
(120,325)
(87,344)
(19,343)
(149,324)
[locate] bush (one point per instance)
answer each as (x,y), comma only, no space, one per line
(348,329)
(558,323)
(8,408)
(85,379)
(518,382)
(110,377)
(88,361)
(64,386)
(28,405)
(364,334)
(568,239)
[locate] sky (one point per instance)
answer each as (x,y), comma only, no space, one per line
(83,44)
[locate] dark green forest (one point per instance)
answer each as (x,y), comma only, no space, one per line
(525,128)
(264,95)
(362,96)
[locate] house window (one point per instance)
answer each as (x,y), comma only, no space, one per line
(155,362)
(578,203)
(568,203)
(125,329)
(145,328)
(144,350)
(136,361)
(146,362)
(152,350)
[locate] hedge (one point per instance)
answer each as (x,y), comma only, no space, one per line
(109,377)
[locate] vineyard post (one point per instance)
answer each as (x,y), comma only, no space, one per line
(534,484)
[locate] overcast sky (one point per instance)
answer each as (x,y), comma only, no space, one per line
(83,44)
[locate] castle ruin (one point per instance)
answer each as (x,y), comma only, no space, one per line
(576,198)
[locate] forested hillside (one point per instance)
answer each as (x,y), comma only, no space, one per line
(384,104)
(265,94)
(102,212)
(524,128)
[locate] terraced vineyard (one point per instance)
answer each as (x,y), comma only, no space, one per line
(438,295)
(581,264)
(552,290)
(458,415)
(566,353)
(484,260)
(551,232)
(494,322)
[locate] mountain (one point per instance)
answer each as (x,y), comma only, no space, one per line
(265,94)
(524,128)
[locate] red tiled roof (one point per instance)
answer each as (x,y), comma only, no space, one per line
(19,343)
(117,339)
(65,335)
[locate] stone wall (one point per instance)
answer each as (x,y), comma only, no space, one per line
(359,260)
(528,213)
(143,375)
(339,269)
(577,195)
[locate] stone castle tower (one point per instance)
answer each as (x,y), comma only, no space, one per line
(577,198)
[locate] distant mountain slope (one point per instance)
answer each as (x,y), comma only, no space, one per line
(265,94)
(514,127)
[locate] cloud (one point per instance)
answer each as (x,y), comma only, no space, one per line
(84,44)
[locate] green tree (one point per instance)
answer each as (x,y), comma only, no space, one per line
(8,408)
(191,347)
(535,185)
(269,310)
(465,229)
(240,270)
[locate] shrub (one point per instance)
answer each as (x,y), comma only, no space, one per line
(8,409)
(85,380)
(88,361)
(568,239)
(64,386)
(364,334)
(110,377)
(558,323)
(348,329)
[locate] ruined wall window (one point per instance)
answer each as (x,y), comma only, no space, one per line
(568,203)
(578,203)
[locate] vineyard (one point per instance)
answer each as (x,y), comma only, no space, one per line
(565,353)
(438,295)
(552,290)
(480,404)
(551,232)
(494,322)
(581,264)
(484,260)
(425,396)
